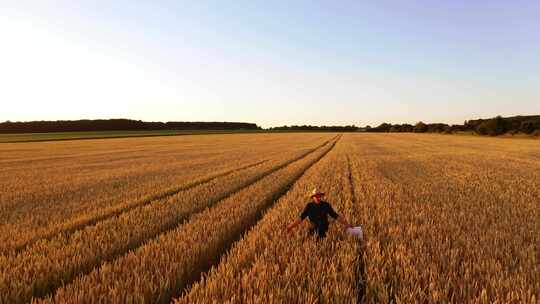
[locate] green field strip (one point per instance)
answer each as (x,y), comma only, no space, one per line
(83,135)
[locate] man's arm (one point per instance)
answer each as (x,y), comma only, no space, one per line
(293,225)
(304,214)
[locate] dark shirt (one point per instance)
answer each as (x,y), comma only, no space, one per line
(318,216)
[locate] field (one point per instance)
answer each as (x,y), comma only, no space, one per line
(56,136)
(200,219)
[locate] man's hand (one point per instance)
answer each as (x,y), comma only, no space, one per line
(289,228)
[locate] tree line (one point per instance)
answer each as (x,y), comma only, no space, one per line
(492,126)
(117,125)
(351,128)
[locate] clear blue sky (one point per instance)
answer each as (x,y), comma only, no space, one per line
(270,62)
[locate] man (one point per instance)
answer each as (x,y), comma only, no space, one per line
(318,211)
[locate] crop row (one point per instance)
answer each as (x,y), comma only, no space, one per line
(47,264)
(162,268)
(269,266)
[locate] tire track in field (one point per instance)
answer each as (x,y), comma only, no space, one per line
(44,284)
(360,273)
(216,247)
(106,213)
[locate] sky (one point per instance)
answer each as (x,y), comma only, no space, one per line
(270,62)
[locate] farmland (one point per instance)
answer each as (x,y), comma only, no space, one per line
(199,219)
(61,136)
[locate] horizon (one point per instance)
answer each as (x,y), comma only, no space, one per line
(275,126)
(272,64)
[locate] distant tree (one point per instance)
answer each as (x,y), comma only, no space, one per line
(472,125)
(436,127)
(117,125)
(384,127)
(493,127)
(407,128)
(529,126)
(456,128)
(420,127)
(482,129)
(352,128)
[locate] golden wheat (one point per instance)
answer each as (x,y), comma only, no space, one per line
(447,219)
(450,219)
(164,267)
(268,266)
(47,188)
(65,256)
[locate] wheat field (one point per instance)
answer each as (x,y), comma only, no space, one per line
(200,219)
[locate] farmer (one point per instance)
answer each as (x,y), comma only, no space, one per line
(318,211)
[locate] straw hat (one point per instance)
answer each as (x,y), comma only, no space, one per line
(316,192)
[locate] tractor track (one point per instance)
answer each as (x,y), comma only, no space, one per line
(106,213)
(360,273)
